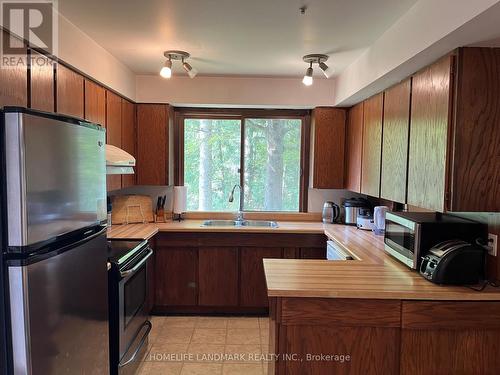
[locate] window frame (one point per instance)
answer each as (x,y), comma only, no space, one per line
(181,113)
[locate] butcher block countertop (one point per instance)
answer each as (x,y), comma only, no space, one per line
(146,231)
(373,274)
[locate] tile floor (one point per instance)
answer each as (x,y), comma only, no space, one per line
(196,345)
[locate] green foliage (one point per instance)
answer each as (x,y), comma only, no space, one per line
(271,163)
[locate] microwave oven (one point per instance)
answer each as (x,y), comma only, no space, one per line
(410,235)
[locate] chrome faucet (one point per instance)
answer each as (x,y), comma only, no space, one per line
(239,216)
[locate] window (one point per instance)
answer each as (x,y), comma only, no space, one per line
(268,149)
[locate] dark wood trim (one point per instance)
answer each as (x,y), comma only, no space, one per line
(242,112)
(178,149)
(305,154)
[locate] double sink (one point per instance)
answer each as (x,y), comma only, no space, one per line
(240,223)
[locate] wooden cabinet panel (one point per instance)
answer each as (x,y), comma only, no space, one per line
(430,109)
(70,100)
(327,148)
(128,137)
(451,336)
(476,161)
(450,315)
(218,276)
(395,142)
(313,253)
(372,145)
(13,83)
(113,133)
(95,103)
(152,144)
(449,352)
(176,271)
(371,350)
(253,289)
(354,145)
(42,82)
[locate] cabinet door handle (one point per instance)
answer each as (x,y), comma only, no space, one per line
(192,285)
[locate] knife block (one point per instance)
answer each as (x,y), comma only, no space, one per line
(160,216)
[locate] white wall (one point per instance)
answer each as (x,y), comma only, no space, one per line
(234,91)
(316,197)
(79,50)
(429,30)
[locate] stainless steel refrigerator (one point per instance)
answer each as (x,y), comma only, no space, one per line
(54,244)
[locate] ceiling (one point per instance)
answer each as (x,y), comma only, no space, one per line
(234,37)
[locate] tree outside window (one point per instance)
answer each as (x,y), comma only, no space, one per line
(270,162)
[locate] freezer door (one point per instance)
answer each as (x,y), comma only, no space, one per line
(55,176)
(59,312)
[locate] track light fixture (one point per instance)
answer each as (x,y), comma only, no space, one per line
(316,59)
(166,70)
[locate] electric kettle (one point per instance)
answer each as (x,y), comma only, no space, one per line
(331,212)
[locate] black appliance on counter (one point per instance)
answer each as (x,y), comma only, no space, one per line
(54,297)
(410,235)
(454,262)
(128,304)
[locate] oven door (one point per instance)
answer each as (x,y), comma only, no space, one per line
(399,239)
(133,323)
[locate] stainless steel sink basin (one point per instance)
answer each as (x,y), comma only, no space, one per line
(240,223)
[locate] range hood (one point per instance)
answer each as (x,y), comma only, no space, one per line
(118,161)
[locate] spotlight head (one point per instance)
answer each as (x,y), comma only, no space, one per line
(327,71)
(166,70)
(189,69)
(308,78)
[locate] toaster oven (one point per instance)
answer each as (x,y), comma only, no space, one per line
(410,235)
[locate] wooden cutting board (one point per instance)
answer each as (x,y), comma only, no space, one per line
(128,209)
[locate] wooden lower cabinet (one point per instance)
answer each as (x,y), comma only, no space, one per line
(218,276)
(253,290)
(450,338)
(364,336)
(221,272)
(176,271)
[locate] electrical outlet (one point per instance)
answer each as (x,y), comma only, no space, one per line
(492,244)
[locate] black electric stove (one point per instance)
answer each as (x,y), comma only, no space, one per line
(119,251)
(128,314)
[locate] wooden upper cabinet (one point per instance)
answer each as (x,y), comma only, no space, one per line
(70,99)
(152,144)
(372,145)
(430,111)
(113,133)
(13,82)
(327,148)
(42,82)
(95,103)
(475,185)
(395,142)
(354,145)
(128,137)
